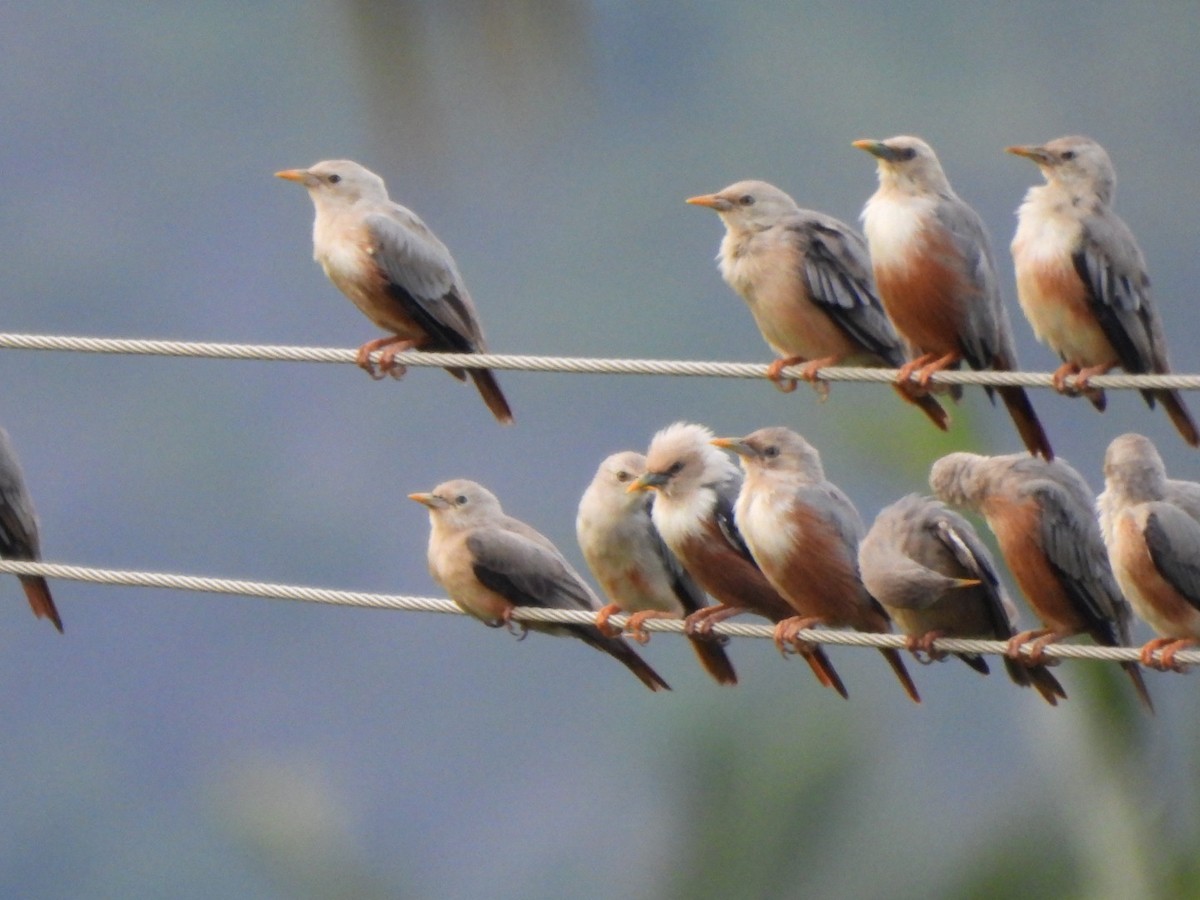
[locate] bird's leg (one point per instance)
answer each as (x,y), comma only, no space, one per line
(1041,638)
(918,644)
(387,359)
(519,630)
(635,624)
(937,365)
(1166,658)
(811,370)
(787,385)
(700,622)
(1086,374)
(1059,378)
(786,631)
(363,358)
(905,372)
(602,617)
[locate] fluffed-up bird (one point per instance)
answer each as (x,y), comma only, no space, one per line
(1081,277)
(696,486)
(489,563)
(803,532)
(933,265)
(1153,539)
(19,531)
(396,271)
(1042,516)
(807,280)
(935,577)
(633,566)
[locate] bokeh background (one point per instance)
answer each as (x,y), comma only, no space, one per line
(182,745)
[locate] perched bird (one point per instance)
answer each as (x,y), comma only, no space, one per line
(1081,277)
(632,564)
(695,488)
(931,572)
(1153,536)
(395,270)
(807,280)
(19,531)
(933,264)
(1041,514)
(803,532)
(1134,458)
(490,563)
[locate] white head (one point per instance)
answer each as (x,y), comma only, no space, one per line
(776,449)
(459,503)
(681,460)
(907,163)
(748,205)
(338,181)
(610,484)
(1077,164)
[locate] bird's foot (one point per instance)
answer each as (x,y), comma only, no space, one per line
(602,617)
(1041,638)
(922,649)
(1166,649)
(1060,376)
(786,634)
(636,624)
(387,359)
(701,622)
(939,364)
(519,630)
(786,385)
(905,373)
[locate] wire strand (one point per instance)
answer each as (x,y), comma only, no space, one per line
(578,365)
(404,603)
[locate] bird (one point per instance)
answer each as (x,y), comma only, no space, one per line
(1133,457)
(396,271)
(633,566)
(1081,277)
(934,576)
(933,265)
(19,538)
(695,487)
(807,280)
(1153,537)
(489,563)
(803,532)
(1042,516)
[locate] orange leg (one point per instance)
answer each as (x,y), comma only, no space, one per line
(938,365)
(635,623)
(1041,637)
(787,385)
(905,373)
(786,631)
(923,644)
(1168,654)
(1081,380)
(363,358)
(1060,378)
(387,359)
(602,617)
(702,620)
(1166,658)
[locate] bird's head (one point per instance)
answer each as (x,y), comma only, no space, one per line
(906,161)
(748,205)
(1076,163)
(338,181)
(776,449)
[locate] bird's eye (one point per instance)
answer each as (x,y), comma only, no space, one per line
(334,179)
(461,500)
(906,154)
(771,452)
(675,468)
(746,200)
(622,476)
(1068,154)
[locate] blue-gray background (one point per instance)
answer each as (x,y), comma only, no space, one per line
(182,745)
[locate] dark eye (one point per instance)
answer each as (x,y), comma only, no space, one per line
(1068,154)
(461,500)
(334,179)
(906,154)
(771,452)
(746,200)
(622,476)
(675,468)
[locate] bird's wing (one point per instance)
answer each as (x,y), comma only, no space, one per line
(525,572)
(1173,539)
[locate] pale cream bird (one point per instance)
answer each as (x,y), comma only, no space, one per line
(395,270)
(806,278)
(1081,277)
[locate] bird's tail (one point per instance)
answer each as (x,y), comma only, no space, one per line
(824,670)
(620,650)
(928,404)
(1179,414)
(40,600)
(490,391)
(1016,401)
(1139,684)
(892,655)
(978,663)
(1038,677)
(711,653)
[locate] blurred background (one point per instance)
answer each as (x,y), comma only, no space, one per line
(184,745)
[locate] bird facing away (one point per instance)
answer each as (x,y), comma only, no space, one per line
(933,265)
(1042,516)
(1153,536)
(19,531)
(489,563)
(929,569)
(633,566)
(1081,277)
(696,486)
(807,280)
(395,270)
(803,532)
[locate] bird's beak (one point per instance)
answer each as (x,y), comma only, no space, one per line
(736,445)
(433,501)
(649,481)
(712,201)
(298,175)
(878,149)
(1030,151)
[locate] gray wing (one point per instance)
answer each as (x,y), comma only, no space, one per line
(837,272)
(1110,264)
(723,511)
(1075,551)
(1173,539)
(423,278)
(963,543)
(18,524)
(527,573)
(690,596)
(986,335)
